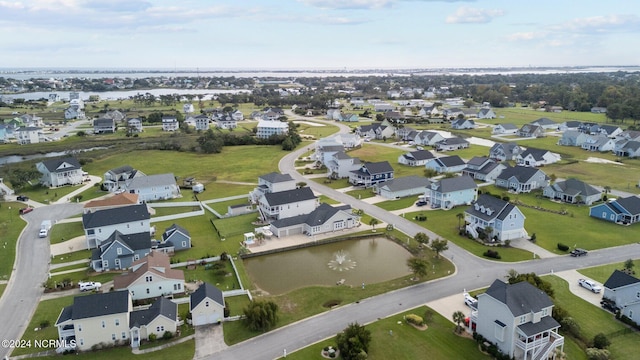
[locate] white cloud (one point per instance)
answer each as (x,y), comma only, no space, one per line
(524,36)
(349,4)
(469,15)
(601,24)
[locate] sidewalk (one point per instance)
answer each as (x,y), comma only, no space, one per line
(526,244)
(88,185)
(69,246)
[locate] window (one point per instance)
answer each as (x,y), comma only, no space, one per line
(124,335)
(147,290)
(177,286)
(160,328)
(103,324)
(113,337)
(499,330)
(184,244)
(117,321)
(545,312)
(523,319)
(148,278)
(206,304)
(638,294)
(631,314)
(79,327)
(81,342)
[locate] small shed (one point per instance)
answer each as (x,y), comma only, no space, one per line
(198,188)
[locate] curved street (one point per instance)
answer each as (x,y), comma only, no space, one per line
(24,289)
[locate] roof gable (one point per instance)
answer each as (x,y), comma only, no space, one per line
(120,215)
(206,291)
(521,298)
(289,196)
(115,302)
(619,279)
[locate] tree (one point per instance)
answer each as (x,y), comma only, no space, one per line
(600,341)
(373,222)
(628,265)
(421,238)
(261,315)
(458,318)
(460,216)
(512,276)
(353,342)
(260,237)
(439,245)
(418,266)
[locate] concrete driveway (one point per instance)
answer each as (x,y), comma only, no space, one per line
(448,305)
(572,276)
(209,340)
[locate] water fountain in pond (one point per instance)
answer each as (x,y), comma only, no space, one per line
(341,261)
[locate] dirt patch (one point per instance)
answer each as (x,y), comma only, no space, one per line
(464,334)
(288,306)
(419,327)
(332,303)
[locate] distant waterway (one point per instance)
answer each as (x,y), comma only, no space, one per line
(116,95)
(12,159)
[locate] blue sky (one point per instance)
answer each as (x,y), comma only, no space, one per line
(317,34)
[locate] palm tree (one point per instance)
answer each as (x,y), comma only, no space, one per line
(373,222)
(460,216)
(418,266)
(260,238)
(458,318)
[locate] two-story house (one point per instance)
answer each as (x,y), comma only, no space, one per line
(170,123)
(153,187)
(340,165)
(100,224)
(623,290)
(504,129)
(174,238)
(530,130)
(115,201)
(271,183)
(96,318)
(449,192)
(117,178)
(521,179)
(463,123)
(60,172)
(573,138)
(268,128)
(504,220)
(104,125)
(545,123)
(151,277)
(427,138)
(286,204)
(28,135)
(517,319)
(505,151)
(572,191)
(119,251)
(371,173)
(598,143)
(201,122)
(134,125)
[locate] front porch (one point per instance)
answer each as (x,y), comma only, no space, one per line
(538,341)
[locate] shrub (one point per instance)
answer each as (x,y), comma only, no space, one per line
(492,254)
(45,324)
(421,217)
(167,335)
(600,341)
(153,337)
(598,354)
(563,247)
(414,319)
(571,327)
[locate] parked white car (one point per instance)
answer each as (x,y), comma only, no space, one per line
(590,285)
(470,301)
(89,285)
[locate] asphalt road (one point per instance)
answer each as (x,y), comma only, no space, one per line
(471,273)
(21,297)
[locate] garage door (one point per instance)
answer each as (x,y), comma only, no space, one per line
(294,231)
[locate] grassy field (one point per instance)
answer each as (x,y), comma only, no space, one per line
(65,231)
(375,153)
(45,195)
(73,256)
(397,204)
(393,338)
(11,224)
(361,193)
(602,273)
(593,320)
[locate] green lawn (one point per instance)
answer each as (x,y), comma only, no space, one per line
(45,195)
(73,256)
(334,184)
(215,190)
(375,153)
(64,231)
(602,273)
(11,224)
(223,206)
(223,282)
(173,210)
(593,320)
(445,224)
(397,204)
(393,338)
(361,193)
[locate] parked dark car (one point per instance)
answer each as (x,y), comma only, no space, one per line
(609,305)
(578,252)
(421,203)
(25,210)
(22,198)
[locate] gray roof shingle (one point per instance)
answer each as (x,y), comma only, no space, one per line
(162,306)
(205,291)
(619,279)
(289,196)
(113,216)
(521,298)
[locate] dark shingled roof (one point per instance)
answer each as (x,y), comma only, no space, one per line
(421,155)
(378,167)
(500,208)
(405,183)
(275,177)
(121,169)
(537,154)
(317,217)
(521,298)
(206,290)
(118,215)
(175,227)
(162,306)
(65,315)
(522,173)
(619,279)
(53,164)
(631,204)
(114,302)
(449,161)
(289,196)
(138,241)
(456,183)
(546,323)
(575,186)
